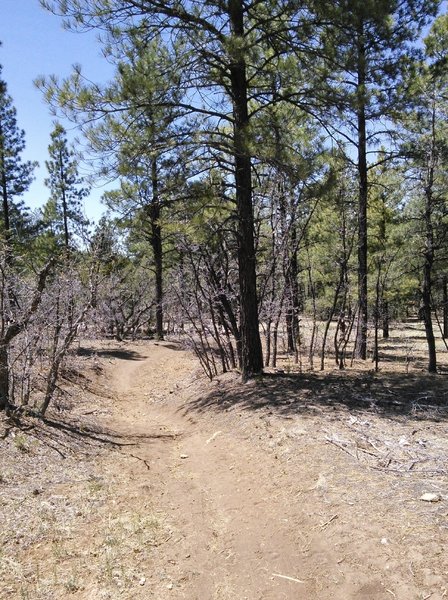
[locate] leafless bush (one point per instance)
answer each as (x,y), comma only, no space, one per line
(206,307)
(124,304)
(38,329)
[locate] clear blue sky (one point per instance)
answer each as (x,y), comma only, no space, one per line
(34,43)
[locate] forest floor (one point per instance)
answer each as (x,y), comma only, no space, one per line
(147,481)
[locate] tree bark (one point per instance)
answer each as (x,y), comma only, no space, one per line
(386,319)
(428,256)
(445,307)
(251,351)
(4,190)
(156,243)
(426,311)
(427,314)
(4,377)
(64,201)
(293,296)
(361,342)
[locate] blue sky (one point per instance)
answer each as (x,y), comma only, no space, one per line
(34,43)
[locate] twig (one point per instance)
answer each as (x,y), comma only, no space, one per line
(322,525)
(338,445)
(138,458)
(210,439)
(288,578)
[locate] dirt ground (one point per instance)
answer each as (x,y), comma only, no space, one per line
(149,482)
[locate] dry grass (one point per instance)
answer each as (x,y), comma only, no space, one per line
(405,350)
(67,525)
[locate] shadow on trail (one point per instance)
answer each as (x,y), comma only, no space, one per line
(104,435)
(119,353)
(171,345)
(393,395)
(70,437)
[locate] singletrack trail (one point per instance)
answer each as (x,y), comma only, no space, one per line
(256,505)
(240,523)
(237,532)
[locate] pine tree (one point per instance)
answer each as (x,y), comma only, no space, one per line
(367,49)
(63,214)
(426,149)
(223,53)
(135,144)
(15,174)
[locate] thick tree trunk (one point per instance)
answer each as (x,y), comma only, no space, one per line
(361,342)
(251,352)
(156,243)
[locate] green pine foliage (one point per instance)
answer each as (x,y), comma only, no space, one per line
(63,216)
(16,175)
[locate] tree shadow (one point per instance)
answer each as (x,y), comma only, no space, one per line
(119,353)
(393,395)
(170,345)
(68,436)
(104,435)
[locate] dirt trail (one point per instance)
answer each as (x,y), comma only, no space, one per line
(246,524)
(238,534)
(150,483)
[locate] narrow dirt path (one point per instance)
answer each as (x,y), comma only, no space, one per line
(253,507)
(238,519)
(234,538)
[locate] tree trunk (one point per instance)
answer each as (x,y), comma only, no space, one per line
(385,317)
(251,352)
(427,287)
(428,256)
(4,191)
(361,342)
(293,306)
(156,243)
(426,313)
(64,201)
(4,377)
(445,307)
(330,317)
(376,357)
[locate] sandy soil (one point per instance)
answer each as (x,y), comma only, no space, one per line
(284,488)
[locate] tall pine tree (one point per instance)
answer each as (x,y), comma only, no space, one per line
(16,175)
(63,214)
(224,53)
(367,45)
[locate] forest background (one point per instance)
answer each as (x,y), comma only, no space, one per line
(280,183)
